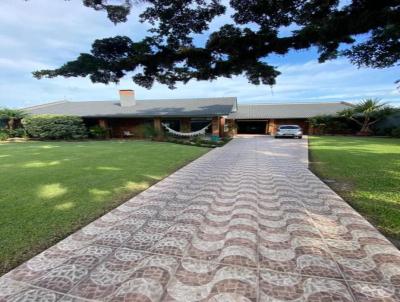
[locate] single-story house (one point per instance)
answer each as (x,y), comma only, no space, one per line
(122,117)
(223,114)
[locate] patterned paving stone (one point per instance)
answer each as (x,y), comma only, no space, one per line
(128,275)
(367,262)
(206,281)
(14,291)
(228,234)
(51,261)
(369,292)
(9,287)
(68,298)
(163,237)
(296,254)
(246,222)
(276,286)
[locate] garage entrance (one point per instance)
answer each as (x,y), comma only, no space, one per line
(251,127)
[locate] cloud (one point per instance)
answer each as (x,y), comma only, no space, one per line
(45,34)
(24,65)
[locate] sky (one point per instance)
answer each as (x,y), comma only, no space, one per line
(44,34)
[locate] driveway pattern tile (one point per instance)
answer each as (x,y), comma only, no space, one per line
(245,222)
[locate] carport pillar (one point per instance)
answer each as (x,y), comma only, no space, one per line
(232,127)
(271,127)
(157,125)
(185,125)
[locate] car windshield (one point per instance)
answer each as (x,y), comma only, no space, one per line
(289,127)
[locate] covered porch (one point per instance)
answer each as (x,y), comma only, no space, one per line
(126,127)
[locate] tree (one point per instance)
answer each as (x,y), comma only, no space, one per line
(169,54)
(367,113)
(12,115)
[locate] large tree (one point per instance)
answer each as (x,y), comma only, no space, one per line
(365,31)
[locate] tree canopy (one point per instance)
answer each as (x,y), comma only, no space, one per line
(367,32)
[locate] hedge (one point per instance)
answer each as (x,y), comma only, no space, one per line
(55,127)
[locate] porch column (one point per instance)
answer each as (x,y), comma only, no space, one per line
(215,126)
(185,125)
(222,126)
(157,124)
(103,123)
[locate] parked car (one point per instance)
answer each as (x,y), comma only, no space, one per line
(293,131)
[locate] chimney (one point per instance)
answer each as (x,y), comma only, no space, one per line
(127,98)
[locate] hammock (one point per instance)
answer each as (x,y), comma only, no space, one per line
(186,134)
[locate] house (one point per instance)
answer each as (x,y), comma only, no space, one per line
(125,116)
(265,118)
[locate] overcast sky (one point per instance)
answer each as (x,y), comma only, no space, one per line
(47,33)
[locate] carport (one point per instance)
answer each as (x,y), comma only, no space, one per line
(252,126)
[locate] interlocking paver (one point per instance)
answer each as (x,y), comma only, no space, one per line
(245,222)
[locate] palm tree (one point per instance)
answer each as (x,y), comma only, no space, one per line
(12,115)
(366,113)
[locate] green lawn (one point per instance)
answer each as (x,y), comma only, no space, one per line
(51,189)
(367,174)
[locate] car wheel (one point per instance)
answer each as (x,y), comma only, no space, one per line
(300,137)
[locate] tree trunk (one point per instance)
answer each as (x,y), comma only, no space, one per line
(365,130)
(11,124)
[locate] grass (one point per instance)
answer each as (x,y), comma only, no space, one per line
(366,173)
(51,189)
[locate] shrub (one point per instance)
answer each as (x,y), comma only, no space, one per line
(147,131)
(198,139)
(55,127)
(330,124)
(98,132)
(3,135)
(396,132)
(18,132)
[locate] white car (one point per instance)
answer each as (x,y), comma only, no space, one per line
(293,131)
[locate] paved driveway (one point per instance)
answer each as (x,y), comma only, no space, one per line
(246,222)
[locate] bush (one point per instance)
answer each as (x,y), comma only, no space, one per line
(18,132)
(330,124)
(7,133)
(396,132)
(55,127)
(4,135)
(98,132)
(148,131)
